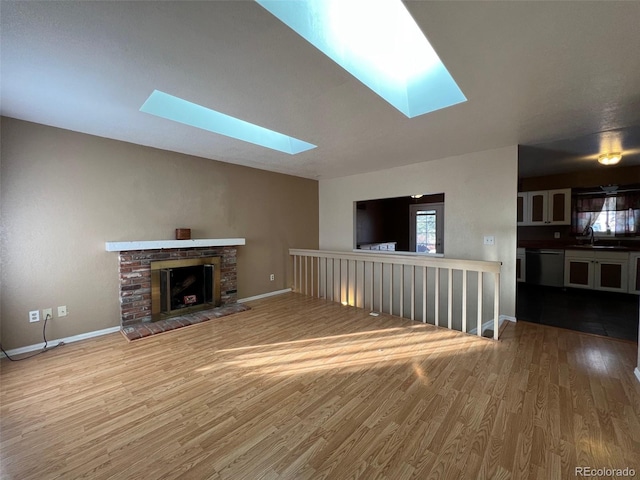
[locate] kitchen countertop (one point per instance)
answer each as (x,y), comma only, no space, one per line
(627,246)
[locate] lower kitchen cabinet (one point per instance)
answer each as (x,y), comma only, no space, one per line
(634,273)
(521,266)
(596,270)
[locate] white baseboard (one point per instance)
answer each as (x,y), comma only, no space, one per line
(637,372)
(502,318)
(74,338)
(264,295)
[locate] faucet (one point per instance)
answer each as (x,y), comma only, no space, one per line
(589,231)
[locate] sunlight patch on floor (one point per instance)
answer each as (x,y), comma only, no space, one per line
(351,352)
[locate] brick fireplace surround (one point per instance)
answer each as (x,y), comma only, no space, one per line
(135,278)
(135,284)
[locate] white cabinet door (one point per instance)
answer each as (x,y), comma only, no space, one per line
(597,270)
(611,275)
(559,207)
(521,265)
(538,206)
(523,208)
(578,270)
(634,273)
(545,207)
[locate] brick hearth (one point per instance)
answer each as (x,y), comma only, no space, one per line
(135,278)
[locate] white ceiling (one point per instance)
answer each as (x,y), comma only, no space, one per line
(580,153)
(532,72)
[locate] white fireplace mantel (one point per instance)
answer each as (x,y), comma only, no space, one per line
(160,244)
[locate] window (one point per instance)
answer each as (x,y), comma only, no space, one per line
(427,227)
(607,215)
(605,220)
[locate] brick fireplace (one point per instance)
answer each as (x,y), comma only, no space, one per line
(135,277)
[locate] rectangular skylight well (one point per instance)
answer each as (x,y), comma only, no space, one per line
(380,44)
(173,108)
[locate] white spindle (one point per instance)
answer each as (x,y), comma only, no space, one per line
(424,294)
(437,299)
(333,279)
(295,277)
(480,288)
(449,298)
(402,290)
(381,282)
(371,291)
(391,291)
(348,281)
(464,301)
(496,306)
(413,292)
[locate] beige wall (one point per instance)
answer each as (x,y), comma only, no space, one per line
(480,199)
(64,194)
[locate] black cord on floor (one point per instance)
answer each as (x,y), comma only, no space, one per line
(44,349)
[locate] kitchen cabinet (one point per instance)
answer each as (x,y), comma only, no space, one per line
(545,207)
(388,246)
(634,273)
(521,265)
(523,207)
(596,270)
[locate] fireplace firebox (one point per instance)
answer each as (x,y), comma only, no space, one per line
(184,286)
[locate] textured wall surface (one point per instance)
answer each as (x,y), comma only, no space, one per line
(64,194)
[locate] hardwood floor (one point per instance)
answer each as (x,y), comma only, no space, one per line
(302,388)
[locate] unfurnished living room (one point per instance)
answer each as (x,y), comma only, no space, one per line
(319,239)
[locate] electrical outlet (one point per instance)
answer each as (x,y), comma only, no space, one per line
(47,311)
(556,234)
(62,311)
(34,316)
(272,277)
(489,240)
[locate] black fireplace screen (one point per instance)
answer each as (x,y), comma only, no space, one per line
(182,286)
(186,287)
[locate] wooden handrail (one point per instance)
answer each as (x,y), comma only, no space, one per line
(400,259)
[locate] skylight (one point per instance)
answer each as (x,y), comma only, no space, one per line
(173,108)
(380,44)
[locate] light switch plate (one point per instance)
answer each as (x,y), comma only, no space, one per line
(62,311)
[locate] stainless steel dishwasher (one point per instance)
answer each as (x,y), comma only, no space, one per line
(545,267)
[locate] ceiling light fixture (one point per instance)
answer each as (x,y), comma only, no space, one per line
(416,196)
(610,158)
(379,43)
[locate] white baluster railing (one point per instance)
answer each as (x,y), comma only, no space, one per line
(377,281)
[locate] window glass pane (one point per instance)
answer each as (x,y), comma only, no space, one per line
(426,231)
(605,223)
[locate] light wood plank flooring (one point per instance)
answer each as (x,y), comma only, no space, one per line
(302,388)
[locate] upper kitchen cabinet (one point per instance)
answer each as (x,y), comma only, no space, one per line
(523,207)
(545,207)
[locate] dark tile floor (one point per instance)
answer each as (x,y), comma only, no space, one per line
(590,311)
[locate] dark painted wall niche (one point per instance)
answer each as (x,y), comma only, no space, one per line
(387,219)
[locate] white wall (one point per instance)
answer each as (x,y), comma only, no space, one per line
(480,199)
